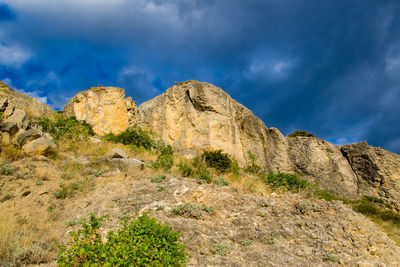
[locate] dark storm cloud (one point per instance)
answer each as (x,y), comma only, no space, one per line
(329,67)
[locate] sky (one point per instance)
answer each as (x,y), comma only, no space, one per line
(329,67)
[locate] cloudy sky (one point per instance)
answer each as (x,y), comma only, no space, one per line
(329,67)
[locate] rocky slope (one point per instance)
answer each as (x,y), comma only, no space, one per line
(236,228)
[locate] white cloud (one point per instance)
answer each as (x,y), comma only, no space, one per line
(271,68)
(13,56)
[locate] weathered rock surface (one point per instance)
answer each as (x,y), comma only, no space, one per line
(116,153)
(194,116)
(28,136)
(32,106)
(105,108)
(323,163)
(377,171)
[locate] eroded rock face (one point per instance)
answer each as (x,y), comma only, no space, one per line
(194,116)
(105,108)
(377,171)
(323,163)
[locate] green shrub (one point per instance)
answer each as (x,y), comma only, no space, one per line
(158,179)
(165,158)
(217,159)
(287,180)
(252,166)
(141,241)
(300,133)
(221,181)
(66,190)
(6,170)
(63,127)
(322,194)
(133,136)
(185,168)
(221,249)
(188,209)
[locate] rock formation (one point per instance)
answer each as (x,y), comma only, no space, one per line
(193,116)
(31,106)
(105,108)
(377,171)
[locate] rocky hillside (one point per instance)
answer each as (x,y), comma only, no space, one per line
(238,219)
(194,116)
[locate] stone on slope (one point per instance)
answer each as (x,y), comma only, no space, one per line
(41,146)
(124,164)
(116,153)
(28,136)
(19,117)
(9,127)
(105,108)
(377,171)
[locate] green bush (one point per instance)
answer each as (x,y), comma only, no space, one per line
(252,166)
(141,241)
(165,158)
(63,127)
(300,133)
(185,168)
(158,179)
(287,180)
(221,181)
(217,159)
(6,170)
(133,136)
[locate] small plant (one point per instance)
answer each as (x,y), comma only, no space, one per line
(204,177)
(72,223)
(160,207)
(158,179)
(328,257)
(68,175)
(245,242)
(208,209)
(300,133)
(161,188)
(287,180)
(165,159)
(252,166)
(141,241)
(217,159)
(188,209)
(270,239)
(221,181)
(221,249)
(133,136)
(66,190)
(6,170)
(185,168)
(39,182)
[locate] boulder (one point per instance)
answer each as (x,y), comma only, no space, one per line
(94,140)
(40,146)
(124,164)
(28,136)
(116,153)
(19,117)
(105,108)
(3,104)
(9,127)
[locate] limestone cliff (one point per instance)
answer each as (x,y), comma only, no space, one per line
(194,116)
(105,108)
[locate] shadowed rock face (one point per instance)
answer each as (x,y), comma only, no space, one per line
(194,116)
(105,108)
(377,171)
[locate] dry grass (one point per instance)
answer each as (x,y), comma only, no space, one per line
(248,183)
(391,229)
(11,152)
(20,242)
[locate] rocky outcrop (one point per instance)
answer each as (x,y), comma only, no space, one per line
(32,107)
(105,108)
(194,116)
(322,163)
(377,171)
(16,129)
